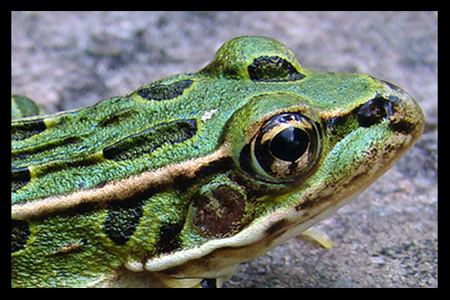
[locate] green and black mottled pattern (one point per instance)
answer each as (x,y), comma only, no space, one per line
(85,148)
(20,232)
(27,129)
(19,178)
(165,92)
(169,239)
(149,140)
(273,69)
(91,142)
(123,219)
(79,241)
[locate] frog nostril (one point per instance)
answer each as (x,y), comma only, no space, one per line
(374,111)
(403,126)
(402,112)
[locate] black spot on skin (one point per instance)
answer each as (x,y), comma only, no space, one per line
(273,69)
(403,126)
(169,239)
(333,123)
(165,92)
(374,111)
(26,129)
(123,219)
(116,117)
(19,178)
(20,233)
(25,152)
(151,139)
(276,227)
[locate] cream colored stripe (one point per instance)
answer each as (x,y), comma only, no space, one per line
(116,190)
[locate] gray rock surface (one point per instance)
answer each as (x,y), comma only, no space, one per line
(388,236)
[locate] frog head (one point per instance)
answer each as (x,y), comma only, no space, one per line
(303,143)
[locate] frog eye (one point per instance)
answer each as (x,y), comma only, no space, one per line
(286,147)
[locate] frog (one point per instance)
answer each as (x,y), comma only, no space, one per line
(182,180)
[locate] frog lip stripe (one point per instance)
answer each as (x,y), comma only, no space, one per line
(119,189)
(283,224)
(259,235)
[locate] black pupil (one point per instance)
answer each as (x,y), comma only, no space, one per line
(290,144)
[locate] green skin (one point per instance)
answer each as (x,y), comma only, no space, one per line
(227,102)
